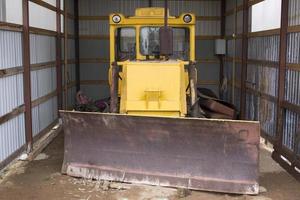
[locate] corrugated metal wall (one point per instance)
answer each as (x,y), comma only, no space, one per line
(12,130)
(43,65)
(43,80)
(232,68)
(280,124)
(262,69)
(291,115)
(94,39)
(262,81)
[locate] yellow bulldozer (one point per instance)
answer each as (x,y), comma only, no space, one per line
(155,132)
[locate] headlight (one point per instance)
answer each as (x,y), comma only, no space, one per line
(116,19)
(187,18)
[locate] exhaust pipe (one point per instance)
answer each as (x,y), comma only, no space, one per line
(166,36)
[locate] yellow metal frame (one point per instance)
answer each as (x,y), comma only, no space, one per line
(142,87)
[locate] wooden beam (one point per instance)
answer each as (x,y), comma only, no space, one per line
(39,66)
(47,5)
(94,82)
(41,31)
(261,94)
(11,27)
(294,29)
(264,33)
(58,62)
(14,113)
(293,66)
(77,47)
(94,60)
(290,106)
(27,76)
(282,71)
(244,59)
(43,99)
(10,71)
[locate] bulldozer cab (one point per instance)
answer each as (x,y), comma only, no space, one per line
(137,37)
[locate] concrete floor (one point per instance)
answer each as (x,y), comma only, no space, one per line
(41,179)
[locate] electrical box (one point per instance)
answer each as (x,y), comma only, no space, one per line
(220,46)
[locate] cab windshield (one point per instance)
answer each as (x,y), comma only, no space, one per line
(149,42)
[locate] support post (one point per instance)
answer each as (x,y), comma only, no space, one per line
(58,56)
(244,58)
(27,77)
(281,74)
(221,57)
(66,61)
(114,99)
(76,32)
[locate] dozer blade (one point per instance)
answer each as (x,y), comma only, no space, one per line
(198,154)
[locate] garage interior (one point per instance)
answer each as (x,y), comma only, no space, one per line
(51,49)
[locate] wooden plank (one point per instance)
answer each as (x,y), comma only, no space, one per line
(41,31)
(44,138)
(232,37)
(77,48)
(293,29)
(208,82)
(11,27)
(208,61)
(282,73)
(208,37)
(93,60)
(10,71)
(54,126)
(27,76)
(244,64)
(293,66)
(45,65)
(69,36)
(43,99)
(46,5)
(14,113)
(264,33)
(253,2)
(232,59)
(261,94)
(291,107)
(263,62)
(94,82)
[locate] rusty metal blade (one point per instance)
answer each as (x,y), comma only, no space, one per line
(199,154)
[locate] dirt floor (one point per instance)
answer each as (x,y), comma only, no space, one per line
(41,179)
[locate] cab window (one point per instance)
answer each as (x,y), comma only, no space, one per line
(149,42)
(125,44)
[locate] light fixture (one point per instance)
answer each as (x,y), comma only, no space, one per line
(116,19)
(187,18)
